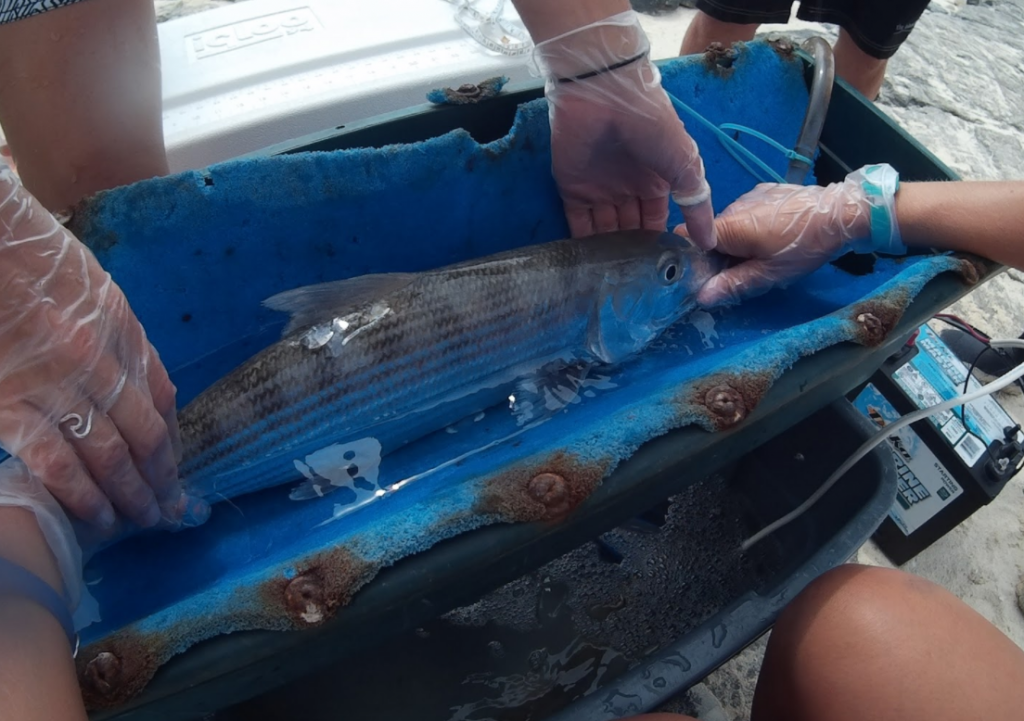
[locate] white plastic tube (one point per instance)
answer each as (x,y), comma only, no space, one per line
(870,444)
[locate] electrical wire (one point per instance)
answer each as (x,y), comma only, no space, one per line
(967,379)
(869,445)
(955,321)
(960,324)
(963,407)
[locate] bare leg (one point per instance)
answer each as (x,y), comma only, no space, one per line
(859,69)
(705,30)
(868,643)
(39,678)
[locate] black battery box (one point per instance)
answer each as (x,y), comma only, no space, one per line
(950,464)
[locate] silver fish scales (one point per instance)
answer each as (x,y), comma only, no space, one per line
(397,356)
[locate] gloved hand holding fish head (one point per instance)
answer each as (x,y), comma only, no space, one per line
(641,295)
(384,360)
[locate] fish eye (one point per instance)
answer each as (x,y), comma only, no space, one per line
(669,270)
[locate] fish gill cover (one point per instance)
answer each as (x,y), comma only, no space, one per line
(197,252)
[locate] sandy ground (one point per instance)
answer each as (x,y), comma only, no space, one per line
(956,86)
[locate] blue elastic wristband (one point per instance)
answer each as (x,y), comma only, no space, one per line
(18,581)
(880,183)
(881,219)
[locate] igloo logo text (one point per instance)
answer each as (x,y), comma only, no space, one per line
(250,31)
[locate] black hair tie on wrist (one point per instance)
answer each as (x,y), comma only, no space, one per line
(614,66)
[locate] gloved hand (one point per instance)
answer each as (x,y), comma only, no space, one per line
(788,231)
(618,148)
(84,400)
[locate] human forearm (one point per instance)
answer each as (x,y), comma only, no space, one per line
(37,673)
(80,98)
(787,231)
(980,217)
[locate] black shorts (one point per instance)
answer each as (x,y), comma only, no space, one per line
(878,27)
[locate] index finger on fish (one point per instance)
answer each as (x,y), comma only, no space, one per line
(700,224)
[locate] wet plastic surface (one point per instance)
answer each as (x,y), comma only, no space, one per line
(620,624)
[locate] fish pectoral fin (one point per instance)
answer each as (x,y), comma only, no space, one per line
(311,303)
(314,486)
(310,489)
(550,389)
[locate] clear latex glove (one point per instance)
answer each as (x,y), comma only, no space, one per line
(84,401)
(788,231)
(618,148)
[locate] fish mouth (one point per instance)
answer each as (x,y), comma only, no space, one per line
(712,263)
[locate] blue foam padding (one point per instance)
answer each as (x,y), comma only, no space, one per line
(196,253)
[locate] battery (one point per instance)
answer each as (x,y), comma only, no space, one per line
(950,464)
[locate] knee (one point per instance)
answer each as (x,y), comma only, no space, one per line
(865,587)
(837,649)
(845,625)
(865,72)
(851,618)
(857,602)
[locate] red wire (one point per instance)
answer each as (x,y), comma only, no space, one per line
(967,327)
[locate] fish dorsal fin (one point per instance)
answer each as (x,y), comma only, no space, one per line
(312,304)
